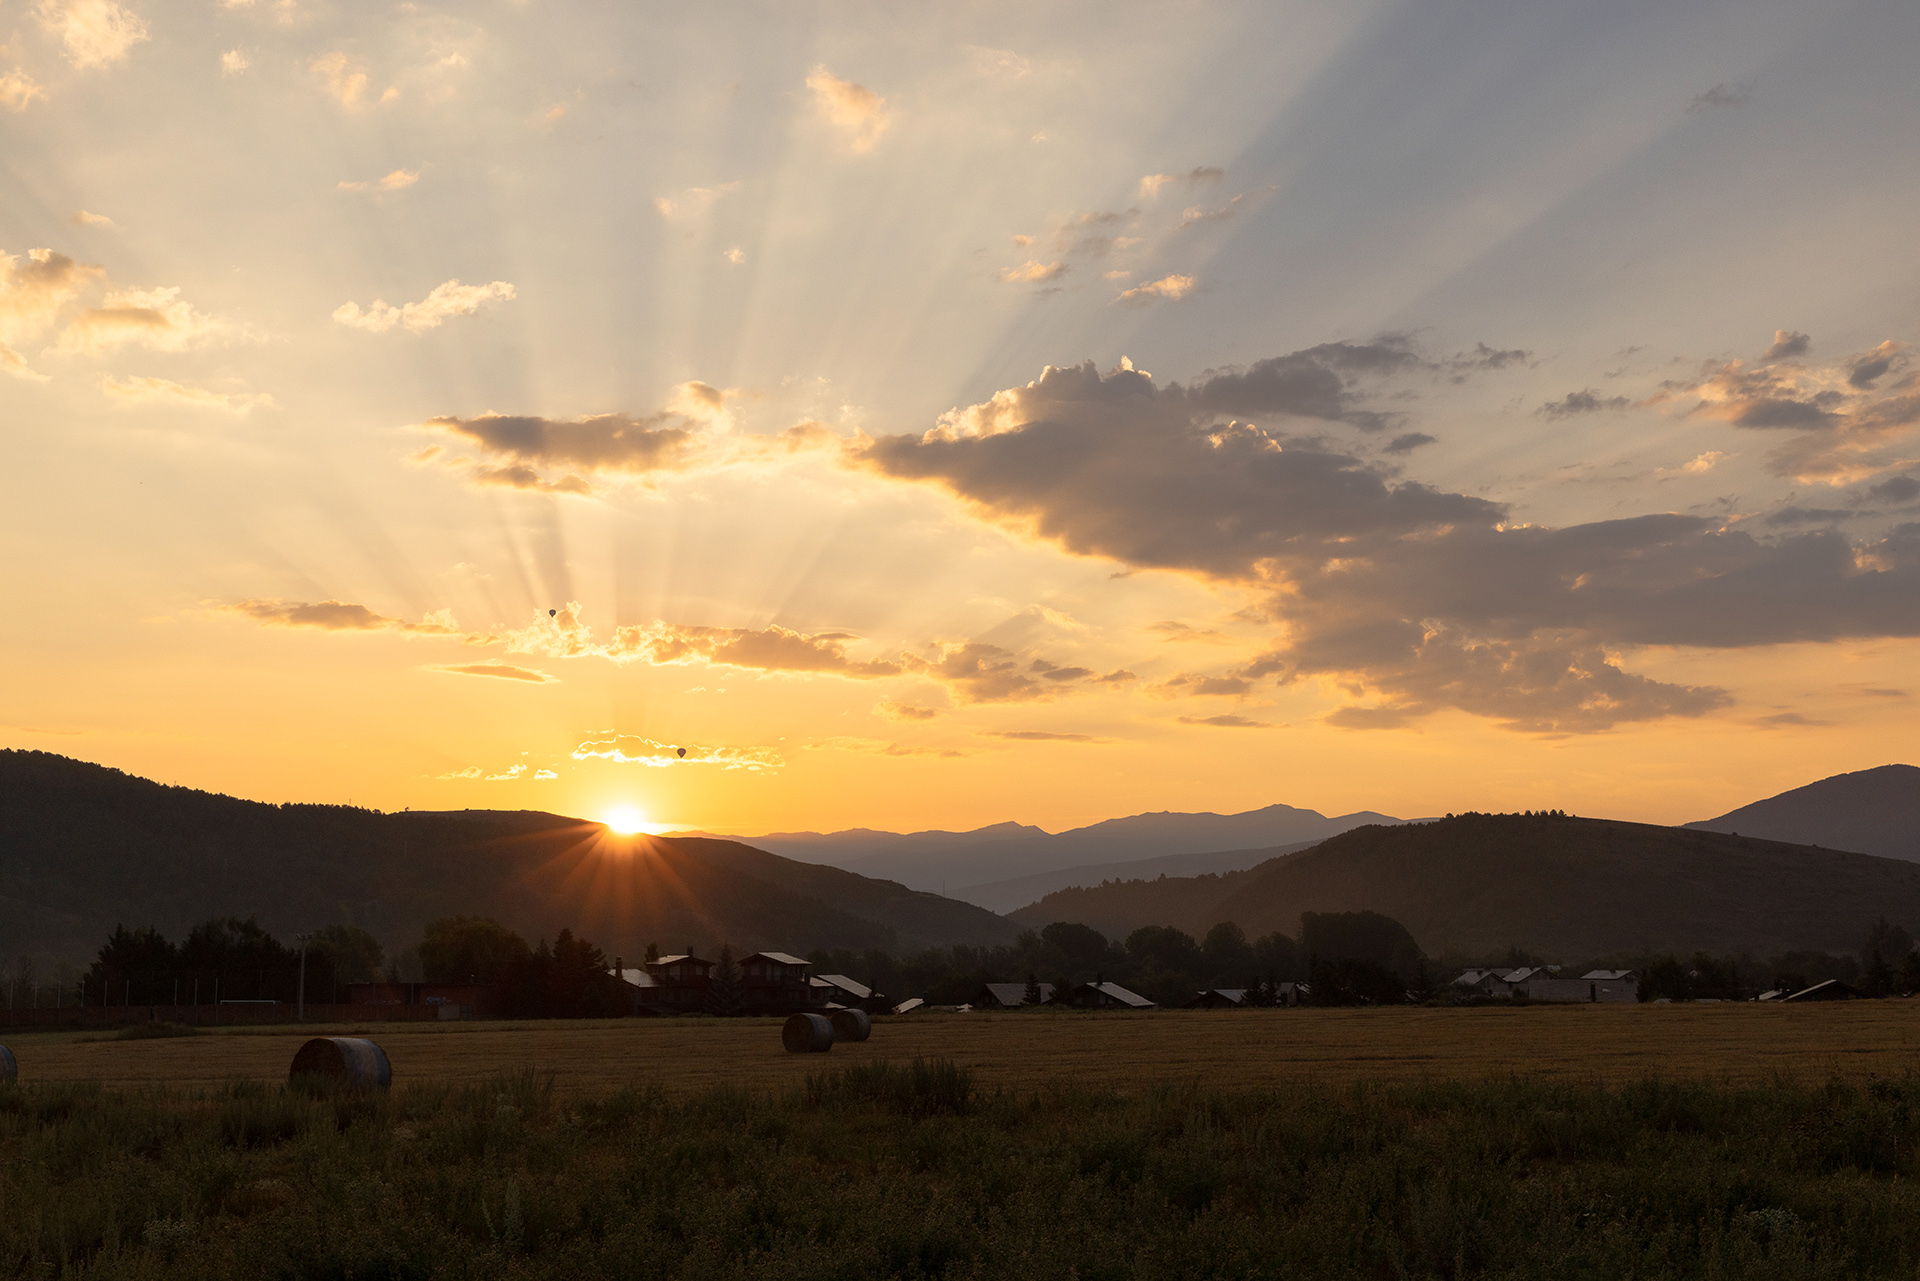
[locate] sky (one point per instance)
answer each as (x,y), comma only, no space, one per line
(808,416)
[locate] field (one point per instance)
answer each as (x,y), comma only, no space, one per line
(1250,1048)
(1712,1142)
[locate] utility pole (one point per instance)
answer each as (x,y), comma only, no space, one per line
(301,1009)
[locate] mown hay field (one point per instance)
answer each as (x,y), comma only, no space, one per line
(1258,1048)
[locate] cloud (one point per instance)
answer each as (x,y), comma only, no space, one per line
(1864,371)
(1897,489)
(1031,272)
(449,299)
(1040,736)
(694,202)
(1807,516)
(854,109)
(514,476)
(96,33)
(631,749)
(1786,345)
(1191,684)
(85,219)
(1225,722)
(157,319)
(1430,599)
(343,616)
(616,443)
(1151,184)
(1582,402)
(471,771)
(1165,289)
(398,180)
(887,709)
(1408,443)
(1841,418)
(735,255)
(344,83)
(166,391)
(1199,213)
(233,62)
(17,89)
(505,671)
(32,295)
(1720,95)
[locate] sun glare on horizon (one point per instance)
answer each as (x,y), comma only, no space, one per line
(625,820)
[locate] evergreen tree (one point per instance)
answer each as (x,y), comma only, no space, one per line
(1909,981)
(1032,995)
(1878,979)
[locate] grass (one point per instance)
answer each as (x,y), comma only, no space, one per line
(1280,1048)
(924,1169)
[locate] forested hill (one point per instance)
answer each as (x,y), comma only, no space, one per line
(83,848)
(1557,886)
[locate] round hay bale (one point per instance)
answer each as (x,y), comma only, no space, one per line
(9,1067)
(851,1025)
(352,1060)
(807,1034)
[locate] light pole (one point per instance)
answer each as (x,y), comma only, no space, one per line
(300,1014)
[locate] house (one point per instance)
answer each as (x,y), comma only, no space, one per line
(1008,996)
(1219,998)
(839,990)
(1621,987)
(1830,990)
(638,986)
(776,983)
(681,984)
(1485,982)
(909,1005)
(1105,996)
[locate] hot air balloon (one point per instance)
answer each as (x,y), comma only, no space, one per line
(682,751)
(553,613)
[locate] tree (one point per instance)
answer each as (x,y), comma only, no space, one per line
(723,994)
(653,953)
(1665,979)
(459,949)
(134,966)
(1360,936)
(1032,995)
(1889,940)
(350,953)
(1878,978)
(1909,980)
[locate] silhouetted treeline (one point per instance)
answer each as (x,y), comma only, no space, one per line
(228,959)
(568,980)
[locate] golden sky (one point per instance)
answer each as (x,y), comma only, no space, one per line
(811,416)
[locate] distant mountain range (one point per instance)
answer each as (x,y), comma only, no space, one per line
(83,848)
(1569,888)
(1008,864)
(1874,811)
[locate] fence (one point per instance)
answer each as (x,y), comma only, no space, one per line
(237,1014)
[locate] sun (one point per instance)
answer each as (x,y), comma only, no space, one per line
(625,820)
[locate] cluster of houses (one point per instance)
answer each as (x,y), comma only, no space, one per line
(1545,983)
(769,983)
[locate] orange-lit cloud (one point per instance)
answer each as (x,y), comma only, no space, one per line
(1151,185)
(449,299)
(343,616)
(17,89)
(504,671)
(857,111)
(398,180)
(165,391)
(631,749)
(156,319)
(1165,289)
(95,33)
(32,295)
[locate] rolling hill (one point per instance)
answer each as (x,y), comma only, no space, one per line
(974,866)
(83,848)
(1873,811)
(1567,888)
